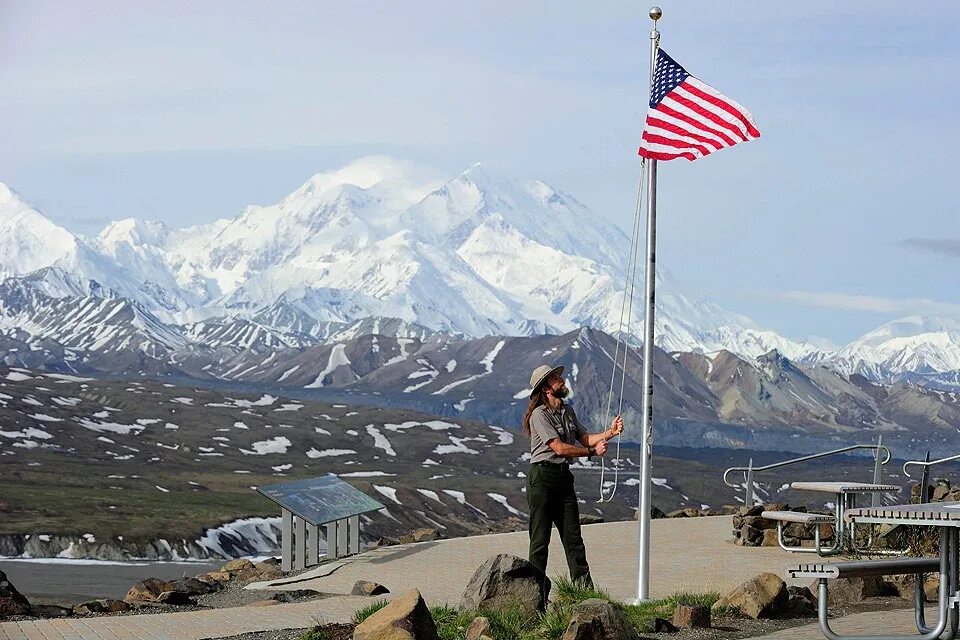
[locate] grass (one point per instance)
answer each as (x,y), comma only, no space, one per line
(362,614)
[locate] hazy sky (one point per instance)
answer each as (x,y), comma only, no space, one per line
(840,217)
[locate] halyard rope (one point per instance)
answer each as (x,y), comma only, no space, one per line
(626,308)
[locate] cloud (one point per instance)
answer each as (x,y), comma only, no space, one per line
(943,246)
(869,304)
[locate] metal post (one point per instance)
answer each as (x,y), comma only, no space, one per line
(332,540)
(646,437)
(342,536)
(299,543)
(748,490)
(877,473)
(354,526)
(925,481)
(313,544)
(286,540)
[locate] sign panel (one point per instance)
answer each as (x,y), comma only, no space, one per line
(320,500)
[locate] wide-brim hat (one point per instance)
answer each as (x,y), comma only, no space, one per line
(540,374)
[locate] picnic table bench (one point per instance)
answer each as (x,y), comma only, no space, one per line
(946,517)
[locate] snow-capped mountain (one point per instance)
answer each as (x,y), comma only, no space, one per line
(480,254)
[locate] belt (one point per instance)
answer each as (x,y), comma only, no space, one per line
(547,463)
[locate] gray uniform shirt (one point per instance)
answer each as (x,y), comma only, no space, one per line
(546,425)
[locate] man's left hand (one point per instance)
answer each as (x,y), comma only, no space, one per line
(616,426)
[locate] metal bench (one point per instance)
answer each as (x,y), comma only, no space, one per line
(824,572)
(803,518)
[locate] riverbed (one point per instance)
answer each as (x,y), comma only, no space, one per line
(68,582)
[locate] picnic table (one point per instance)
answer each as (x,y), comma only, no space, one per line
(944,516)
(845,498)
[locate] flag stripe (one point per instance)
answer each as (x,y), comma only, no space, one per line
(711,95)
(690,119)
(654,123)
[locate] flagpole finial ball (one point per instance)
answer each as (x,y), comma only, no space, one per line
(655,13)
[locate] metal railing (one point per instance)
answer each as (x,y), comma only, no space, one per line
(749,470)
(925,474)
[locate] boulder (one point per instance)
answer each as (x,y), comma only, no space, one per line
(769,538)
(368,588)
(195,587)
(12,603)
(596,619)
(294,595)
(271,574)
(148,590)
(478,628)
(939,493)
(587,518)
(505,582)
(236,566)
(420,535)
(750,536)
(854,590)
(729,510)
(691,616)
(802,603)
(405,618)
(755,510)
(175,598)
(51,611)
(100,606)
(249,574)
(220,577)
(764,596)
(904,586)
(655,514)
(660,625)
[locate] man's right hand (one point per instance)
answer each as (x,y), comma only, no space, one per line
(601,447)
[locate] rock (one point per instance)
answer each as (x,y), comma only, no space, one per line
(660,625)
(586,518)
(802,603)
(12,603)
(776,506)
(769,538)
(272,562)
(250,574)
(175,598)
(750,536)
(478,628)
(420,535)
(236,566)
(51,611)
(853,590)
(596,619)
(367,588)
(272,574)
(294,595)
(267,567)
(764,596)
(679,513)
(195,587)
(691,616)
(100,606)
(755,510)
(384,541)
(148,590)
(729,510)
(504,582)
(759,522)
(655,514)
(940,493)
(904,586)
(220,577)
(405,618)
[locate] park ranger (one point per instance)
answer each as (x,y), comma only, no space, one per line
(556,437)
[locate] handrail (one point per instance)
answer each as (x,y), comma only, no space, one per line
(927,463)
(749,470)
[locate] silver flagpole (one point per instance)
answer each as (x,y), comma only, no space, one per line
(646,440)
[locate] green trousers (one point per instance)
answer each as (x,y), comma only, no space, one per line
(552,501)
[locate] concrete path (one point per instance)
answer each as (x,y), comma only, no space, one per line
(897,622)
(692,555)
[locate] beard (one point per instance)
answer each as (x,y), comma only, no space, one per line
(560,393)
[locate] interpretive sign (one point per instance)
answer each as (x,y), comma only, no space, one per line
(307,504)
(320,500)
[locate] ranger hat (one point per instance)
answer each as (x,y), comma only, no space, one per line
(540,374)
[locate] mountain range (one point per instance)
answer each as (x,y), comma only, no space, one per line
(373,254)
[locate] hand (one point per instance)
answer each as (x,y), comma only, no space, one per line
(601,447)
(616,426)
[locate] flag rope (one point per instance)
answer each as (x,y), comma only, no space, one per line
(626,308)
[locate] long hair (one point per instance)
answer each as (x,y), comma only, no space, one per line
(537,398)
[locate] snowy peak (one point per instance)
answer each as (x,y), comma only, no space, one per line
(28,239)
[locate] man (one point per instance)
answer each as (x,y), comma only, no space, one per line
(556,437)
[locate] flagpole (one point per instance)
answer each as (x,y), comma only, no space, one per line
(646,440)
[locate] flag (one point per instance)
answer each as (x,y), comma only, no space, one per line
(689,119)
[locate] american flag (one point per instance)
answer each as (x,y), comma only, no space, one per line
(689,119)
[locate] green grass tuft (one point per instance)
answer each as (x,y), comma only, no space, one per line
(314,634)
(362,614)
(451,622)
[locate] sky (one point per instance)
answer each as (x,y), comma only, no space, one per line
(842,215)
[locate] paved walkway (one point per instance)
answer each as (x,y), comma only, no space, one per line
(899,621)
(688,555)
